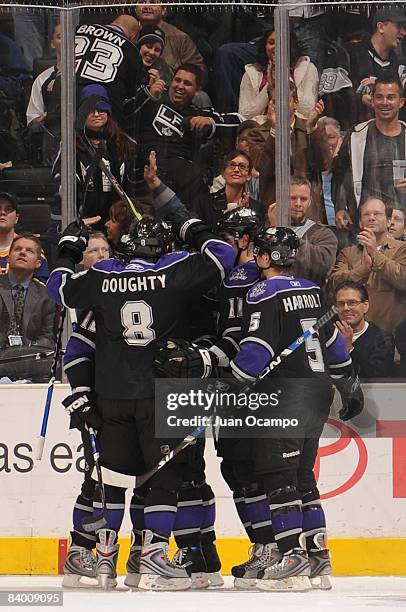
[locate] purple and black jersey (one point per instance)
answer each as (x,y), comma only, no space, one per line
(277,312)
(136,306)
(232,296)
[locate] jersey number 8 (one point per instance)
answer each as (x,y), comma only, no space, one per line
(137,320)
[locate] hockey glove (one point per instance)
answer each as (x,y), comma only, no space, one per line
(182,359)
(73,242)
(352,396)
(82,411)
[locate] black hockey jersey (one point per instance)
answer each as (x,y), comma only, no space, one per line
(104,55)
(136,306)
(277,312)
(232,296)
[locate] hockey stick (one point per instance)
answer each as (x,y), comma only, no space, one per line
(35,356)
(116,479)
(84,110)
(51,383)
(94,523)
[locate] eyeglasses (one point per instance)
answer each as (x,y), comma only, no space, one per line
(241,167)
(6,211)
(367,215)
(350,303)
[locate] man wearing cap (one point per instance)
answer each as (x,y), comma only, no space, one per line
(377,58)
(105,54)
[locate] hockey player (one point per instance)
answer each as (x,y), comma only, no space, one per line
(278,310)
(80,564)
(136,303)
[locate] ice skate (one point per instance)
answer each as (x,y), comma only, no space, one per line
(158,572)
(213,564)
(320,564)
(262,556)
(107,553)
(133,565)
(192,558)
(291,573)
(80,568)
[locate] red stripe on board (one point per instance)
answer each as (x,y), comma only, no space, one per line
(62,550)
(397,431)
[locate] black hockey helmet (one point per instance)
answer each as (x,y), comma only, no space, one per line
(281,243)
(150,239)
(238,222)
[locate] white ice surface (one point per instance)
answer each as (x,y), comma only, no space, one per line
(353,594)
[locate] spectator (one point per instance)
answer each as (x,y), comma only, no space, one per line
(118,65)
(371,348)
(97,249)
(365,163)
(44,106)
(334,139)
(377,58)
(120,219)
(310,153)
(254,97)
(309,29)
(101,135)
(8,221)
(173,127)
(236,169)
(396,223)
(26,312)
(179,47)
(379,262)
(33,30)
(242,144)
(151,43)
(318,247)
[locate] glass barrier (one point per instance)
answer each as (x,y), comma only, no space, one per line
(196,84)
(30,132)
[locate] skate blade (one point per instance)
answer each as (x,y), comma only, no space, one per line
(215,579)
(293,583)
(200,580)
(76,581)
(321,582)
(132,580)
(245,583)
(154,582)
(106,582)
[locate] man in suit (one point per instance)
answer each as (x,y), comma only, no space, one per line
(26,312)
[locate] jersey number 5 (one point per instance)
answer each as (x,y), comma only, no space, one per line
(313,348)
(137,320)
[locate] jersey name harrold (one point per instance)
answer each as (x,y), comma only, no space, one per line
(301,301)
(133,283)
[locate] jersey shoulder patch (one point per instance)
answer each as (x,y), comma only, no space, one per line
(244,275)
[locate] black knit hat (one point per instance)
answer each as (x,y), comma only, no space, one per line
(151,34)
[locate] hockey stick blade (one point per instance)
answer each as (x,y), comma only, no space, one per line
(116,479)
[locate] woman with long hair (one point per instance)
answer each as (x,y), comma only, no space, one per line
(236,170)
(254,90)
(100,139)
